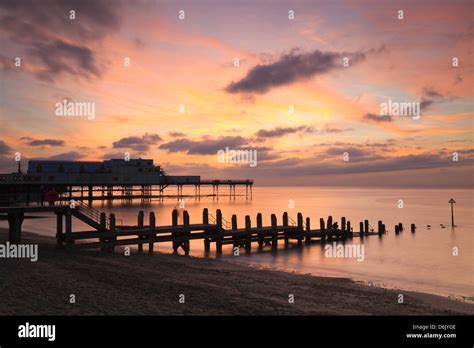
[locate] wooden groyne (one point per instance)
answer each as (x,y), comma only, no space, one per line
(212,230)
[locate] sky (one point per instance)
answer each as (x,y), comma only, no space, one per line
(302,83)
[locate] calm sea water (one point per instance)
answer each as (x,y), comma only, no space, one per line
(422,261)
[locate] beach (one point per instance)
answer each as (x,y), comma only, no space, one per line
(154,284)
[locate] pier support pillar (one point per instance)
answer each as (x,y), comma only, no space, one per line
(219,231)
(15,220)
(59,228)
(152,229)
(140,221)
(274,233)
(248,238)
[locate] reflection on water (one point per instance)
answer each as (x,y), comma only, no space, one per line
(422,261)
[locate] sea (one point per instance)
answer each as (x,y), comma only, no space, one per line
(437,258)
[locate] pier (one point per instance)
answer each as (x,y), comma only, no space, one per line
(116,179)
(108,232)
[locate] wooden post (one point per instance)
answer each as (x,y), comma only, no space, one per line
(69,228)
(112,230)
(323,230)
(186,234)
(248,239)
(308,231)
(15,221)
(235,238)
(103,224)
(219,231)
(400,227)
(274,232)
(383,228)
(59,228)
(349,232)
(152,229)
(300,228)
(140,222)
(205,221)
(285,223)
(174,222)
(397,229)
(366,227)
(329,227)
(379,229)
(343,227)
(361,229)
(260,233)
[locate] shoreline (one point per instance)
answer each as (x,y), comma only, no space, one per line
(151,284)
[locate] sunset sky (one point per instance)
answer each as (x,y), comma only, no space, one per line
(283,62)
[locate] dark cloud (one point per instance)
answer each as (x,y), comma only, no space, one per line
(43,142)
(176,134)
(53,41)
(4,148)
(337,130)
(281,131)
(139,144)
(378,118)
(430,96)
(206,146)
(68,58)
(426,103)
(290,68)
(378,164)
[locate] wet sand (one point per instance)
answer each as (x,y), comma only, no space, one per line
(151,284)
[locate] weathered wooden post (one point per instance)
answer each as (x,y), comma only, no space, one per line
(299,222)
(366,227)
(59,228)
(285,231)
(248,236)
(219,231)
(329,227)
(379,228)
(400,227)
(112,230)
(259,232)
(343,227)
(140,222)
(205,221)
(349,231)
(186,233)
(323,230)
(235,237)
(103,224)
(307,239)
(413,228)
(397,229)
(361,229)
(274,232)
(174,223)
(69,239)
(152,229)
